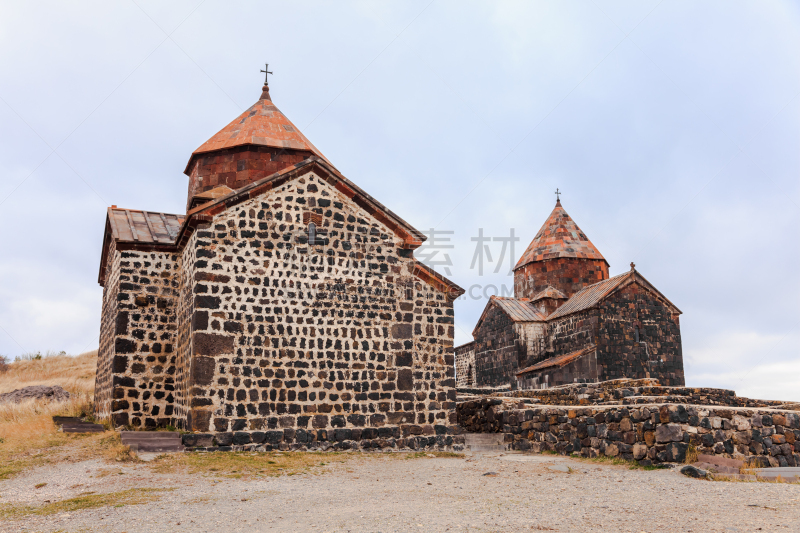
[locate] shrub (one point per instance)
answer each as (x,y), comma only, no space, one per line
(3,364)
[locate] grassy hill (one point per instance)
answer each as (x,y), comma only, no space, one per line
(30,421)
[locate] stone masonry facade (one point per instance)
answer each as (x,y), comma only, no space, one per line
(339,334)
(245,328)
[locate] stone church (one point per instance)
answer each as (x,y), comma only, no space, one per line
(285,298)
(569,322)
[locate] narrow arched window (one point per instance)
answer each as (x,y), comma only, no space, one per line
(636,332)
(312,234)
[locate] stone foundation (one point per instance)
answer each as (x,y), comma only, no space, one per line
(404,437)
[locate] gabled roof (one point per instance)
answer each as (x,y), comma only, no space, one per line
(560,236)
(559,360)
(517,309)
(216,192)
(134,229)
(262,124)
(590,296)
(411,237)
(549,292)
(207,196)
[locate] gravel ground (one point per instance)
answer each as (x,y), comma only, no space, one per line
(372,493)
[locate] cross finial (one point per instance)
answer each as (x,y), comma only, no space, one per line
(266,72)
(633,265)
(558,195)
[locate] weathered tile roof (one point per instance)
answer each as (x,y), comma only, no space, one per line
(549,292)
(590,296)
(559,360)
(519,309)
(145,227)
(560,236)
(263,124)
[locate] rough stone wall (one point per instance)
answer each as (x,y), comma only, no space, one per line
(236,167)
(572,332)
(185,312)
(143,365)
(496,349)
(531,342)
(567,274)
(658,353)
(338,335)
(638,392)
(583,369)
(649,434)
(465,365)
(103,385)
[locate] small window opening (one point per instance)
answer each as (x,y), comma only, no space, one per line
(636,333)
(312,240)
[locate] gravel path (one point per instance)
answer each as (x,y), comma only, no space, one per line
(372,493)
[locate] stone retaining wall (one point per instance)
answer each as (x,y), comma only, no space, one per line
(650,434)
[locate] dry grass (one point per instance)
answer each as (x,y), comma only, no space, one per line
(26,421)
(616,461)
(84,501)
(272,464)
(28,437)
(248,464)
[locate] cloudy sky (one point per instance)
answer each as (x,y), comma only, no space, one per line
(672,128)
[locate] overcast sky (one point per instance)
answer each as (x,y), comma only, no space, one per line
(672,128)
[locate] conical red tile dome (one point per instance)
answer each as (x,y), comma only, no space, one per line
(262,124)
(560,236)
(260,142)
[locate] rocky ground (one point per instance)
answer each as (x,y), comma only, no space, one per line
(375,493)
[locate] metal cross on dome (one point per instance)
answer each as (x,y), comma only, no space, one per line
(558,194)
(266,72)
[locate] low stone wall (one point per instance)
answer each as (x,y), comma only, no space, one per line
(649,434)
(630,392)
(404,437)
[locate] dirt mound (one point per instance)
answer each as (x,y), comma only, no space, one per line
(36,392)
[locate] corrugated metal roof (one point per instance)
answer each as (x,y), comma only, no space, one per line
(589,296)
(559,360)
(130,225)
(560,236)
(549,292)
(519,310)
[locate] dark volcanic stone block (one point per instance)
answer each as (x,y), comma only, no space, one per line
(212,344)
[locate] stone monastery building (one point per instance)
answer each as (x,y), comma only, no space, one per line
(285,301)
(569,322)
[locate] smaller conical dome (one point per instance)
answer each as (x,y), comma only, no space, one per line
(560,236)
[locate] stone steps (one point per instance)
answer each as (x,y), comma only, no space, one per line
(484,442)
(152,441)
(787,473)
(71,424)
